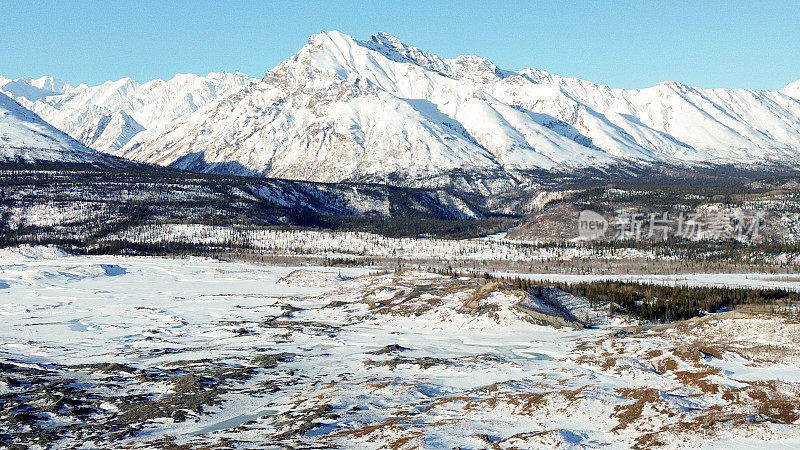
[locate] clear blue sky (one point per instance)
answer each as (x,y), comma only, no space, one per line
(626,44)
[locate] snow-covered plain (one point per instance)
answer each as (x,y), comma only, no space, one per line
(113,351)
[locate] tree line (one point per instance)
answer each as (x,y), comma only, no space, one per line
(660,303)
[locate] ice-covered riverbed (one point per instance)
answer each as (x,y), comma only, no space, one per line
(104,351)
(86,309)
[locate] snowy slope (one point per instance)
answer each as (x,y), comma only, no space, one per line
(792,89)
(24,136)
(107,116)
(343,109)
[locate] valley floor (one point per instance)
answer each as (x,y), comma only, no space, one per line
(110,351)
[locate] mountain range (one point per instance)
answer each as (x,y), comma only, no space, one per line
(380,110)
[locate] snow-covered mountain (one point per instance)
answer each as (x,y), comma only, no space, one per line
(107,116)
(344,109)
(24,136)
(381,110)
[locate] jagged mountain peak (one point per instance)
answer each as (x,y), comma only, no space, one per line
(344,55)
(385,38)
(395,49)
